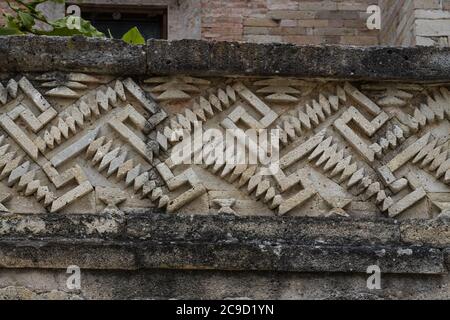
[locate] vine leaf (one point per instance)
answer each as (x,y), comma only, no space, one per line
(66,27)
(26,15)
(133,36)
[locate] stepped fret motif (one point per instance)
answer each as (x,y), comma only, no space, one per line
(175,88)
(310,117)
(8,91)
(183,144)
(78,116)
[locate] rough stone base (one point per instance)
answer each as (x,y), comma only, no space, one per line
(221,257)
(184,284)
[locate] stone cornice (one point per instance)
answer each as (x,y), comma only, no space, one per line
(142,241)
(201,58)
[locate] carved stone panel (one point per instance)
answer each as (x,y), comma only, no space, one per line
(73,142)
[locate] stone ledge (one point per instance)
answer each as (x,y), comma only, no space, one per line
(288,230)
(75,54)
(329,61)
(229,285)
(201,58)
(202,228)
(426,232)
(107,255)
(154,240)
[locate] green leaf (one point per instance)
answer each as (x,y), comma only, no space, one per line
(133,36)
(26,19)
(67,27)
(9,31)
(27,15)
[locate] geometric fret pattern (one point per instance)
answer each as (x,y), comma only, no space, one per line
(90,143)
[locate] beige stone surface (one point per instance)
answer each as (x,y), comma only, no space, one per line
(343,148)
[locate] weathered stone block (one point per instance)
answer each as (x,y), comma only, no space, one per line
(40,54)
(426,232)
(266,229)
(219,58)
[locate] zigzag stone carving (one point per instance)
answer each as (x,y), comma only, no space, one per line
(88,143)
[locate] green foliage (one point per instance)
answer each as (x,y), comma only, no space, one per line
(133,36)
(9,31)
(26,20)
(26,16)
(70,26)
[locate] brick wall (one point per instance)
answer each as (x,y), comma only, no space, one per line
(415,22)
(291,21)
(404,22)
(3,9)
(397,22)
(432,22)
(300,22)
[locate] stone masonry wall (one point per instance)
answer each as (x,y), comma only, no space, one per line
(404,23)
(432,22)
(290,21)
(101,167)
(397,26)
(286,21)
(420,22)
